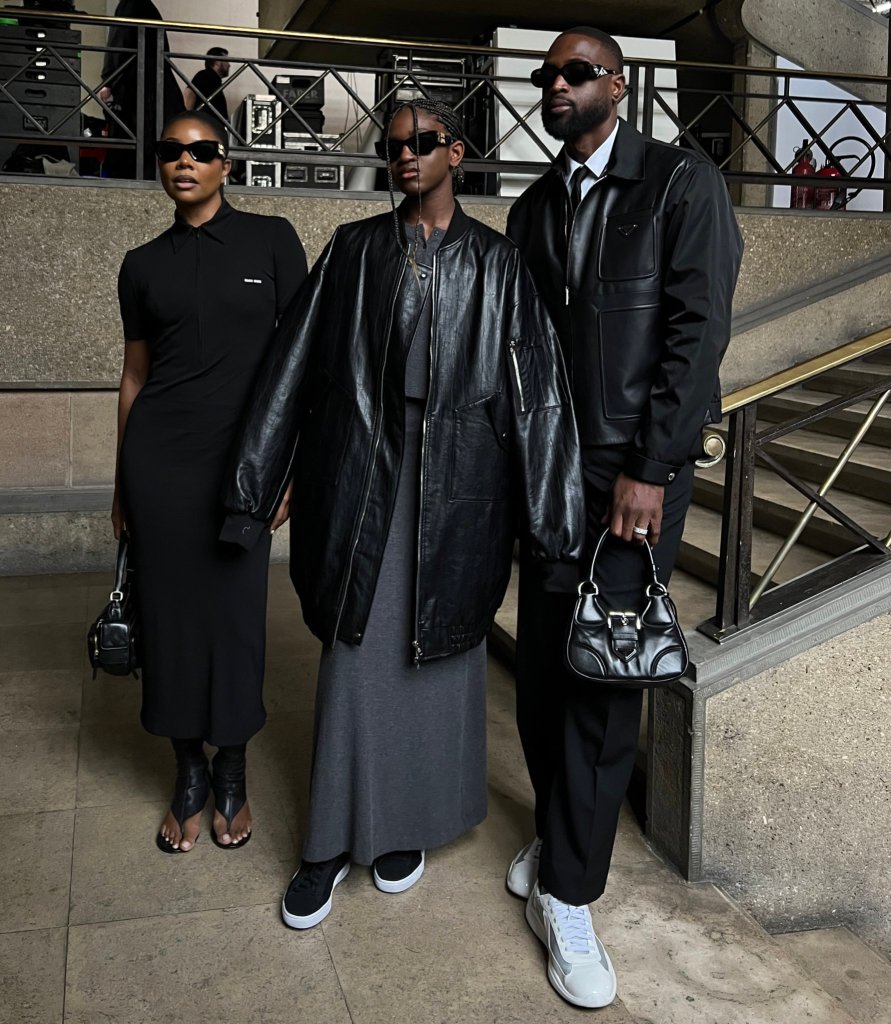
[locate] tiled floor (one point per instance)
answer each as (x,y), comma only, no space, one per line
(97,927)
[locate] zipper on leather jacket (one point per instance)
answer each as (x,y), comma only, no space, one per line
(375,444)
(570,224)
(513,355)
(416,643)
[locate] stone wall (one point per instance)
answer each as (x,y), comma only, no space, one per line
(798,788)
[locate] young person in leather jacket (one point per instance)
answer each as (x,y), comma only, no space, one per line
(635,250)
(416,410)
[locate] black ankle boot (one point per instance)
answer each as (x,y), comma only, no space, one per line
(191,791)
(229,790)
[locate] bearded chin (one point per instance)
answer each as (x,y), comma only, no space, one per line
(576,122)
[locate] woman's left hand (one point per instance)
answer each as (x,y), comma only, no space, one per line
(284,510)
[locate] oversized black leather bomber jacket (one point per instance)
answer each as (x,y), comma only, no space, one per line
(639,285)
(499,446)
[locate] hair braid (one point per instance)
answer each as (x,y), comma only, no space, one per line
(450,119)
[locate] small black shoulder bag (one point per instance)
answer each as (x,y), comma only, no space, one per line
(622,648)
(113,639)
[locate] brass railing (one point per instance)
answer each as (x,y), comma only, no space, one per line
(742,599)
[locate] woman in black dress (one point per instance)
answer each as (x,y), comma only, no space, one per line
(199,305)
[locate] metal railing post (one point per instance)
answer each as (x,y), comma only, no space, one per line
(735,569)
(140,102)
(160,112)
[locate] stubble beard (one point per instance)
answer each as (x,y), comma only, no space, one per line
(566,127)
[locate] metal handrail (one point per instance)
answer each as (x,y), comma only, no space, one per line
(647,97)
(810,368)
(440,47)
(741,598)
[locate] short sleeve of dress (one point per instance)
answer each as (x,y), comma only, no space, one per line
(132,308)
(290,265)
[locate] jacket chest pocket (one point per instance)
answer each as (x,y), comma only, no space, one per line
(628,246)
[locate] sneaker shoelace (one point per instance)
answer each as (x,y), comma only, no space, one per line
(308,878)
(573,926)
(534,851)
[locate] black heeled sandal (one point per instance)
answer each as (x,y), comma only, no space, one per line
(229,791)
(189,796)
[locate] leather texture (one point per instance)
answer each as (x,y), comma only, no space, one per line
(639,284)
(499,450)
(113,639)
(229,784)
(622,647)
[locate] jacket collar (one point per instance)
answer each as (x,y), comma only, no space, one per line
(458,226)
(217,228)
(626,160)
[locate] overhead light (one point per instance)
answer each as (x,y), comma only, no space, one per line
(883,7)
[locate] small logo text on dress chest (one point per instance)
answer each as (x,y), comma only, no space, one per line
(253,280)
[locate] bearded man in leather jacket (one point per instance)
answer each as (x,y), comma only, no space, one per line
(635,251)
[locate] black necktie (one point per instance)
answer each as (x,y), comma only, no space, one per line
(575,187)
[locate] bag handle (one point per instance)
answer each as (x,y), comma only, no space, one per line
(120,572)
(589,587)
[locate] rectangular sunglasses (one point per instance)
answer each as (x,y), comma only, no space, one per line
(204,150)
(421,144)
(573,73)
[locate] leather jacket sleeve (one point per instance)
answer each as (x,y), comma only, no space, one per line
(263,455)
(545,438)
(702,254)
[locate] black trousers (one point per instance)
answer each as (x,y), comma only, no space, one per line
(580,739)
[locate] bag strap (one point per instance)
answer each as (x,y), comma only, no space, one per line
(603,536)
(120,572)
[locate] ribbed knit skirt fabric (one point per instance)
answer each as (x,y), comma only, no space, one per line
(400,753)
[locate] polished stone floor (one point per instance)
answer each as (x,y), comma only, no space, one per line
(98,927)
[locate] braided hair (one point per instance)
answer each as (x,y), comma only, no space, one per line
(450,119)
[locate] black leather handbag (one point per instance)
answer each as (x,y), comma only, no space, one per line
(622,648)
(113,639)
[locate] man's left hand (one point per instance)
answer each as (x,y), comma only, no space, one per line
(635,504)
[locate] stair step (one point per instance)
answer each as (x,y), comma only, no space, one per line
(843,423)
(850,378)
(846,968)
(778,506)
(700,549)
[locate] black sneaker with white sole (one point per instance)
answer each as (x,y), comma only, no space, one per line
(399,870)
(310,892)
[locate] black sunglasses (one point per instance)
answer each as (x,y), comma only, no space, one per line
(573,73)
(421,144)
(204,150)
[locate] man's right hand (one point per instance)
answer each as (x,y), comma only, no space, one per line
(104,94)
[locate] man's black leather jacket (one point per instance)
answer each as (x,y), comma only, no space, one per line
(639,285)
(499,446)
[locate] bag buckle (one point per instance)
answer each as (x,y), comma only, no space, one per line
(623,628)
(620,620)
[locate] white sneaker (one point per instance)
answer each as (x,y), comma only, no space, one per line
(578,965)
(523,871)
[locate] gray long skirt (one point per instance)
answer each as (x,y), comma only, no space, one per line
(400,753)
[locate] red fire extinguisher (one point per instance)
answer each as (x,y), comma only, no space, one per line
(803,195)
(830,197)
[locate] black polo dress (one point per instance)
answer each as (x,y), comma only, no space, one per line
(206,300)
